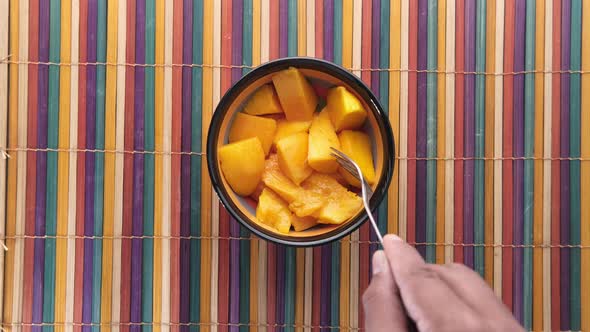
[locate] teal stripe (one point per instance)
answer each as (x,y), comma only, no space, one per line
(575,309)
(195,178)
(52,143)
(245,245)
(290,256)
(431,129)
(529,145)
(478,181)
(384,95)
(149,167)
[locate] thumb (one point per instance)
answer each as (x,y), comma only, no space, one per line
(381,301)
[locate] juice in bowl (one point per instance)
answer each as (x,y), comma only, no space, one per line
(268,151)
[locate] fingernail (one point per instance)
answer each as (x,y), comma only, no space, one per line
(379,262)
(393,237)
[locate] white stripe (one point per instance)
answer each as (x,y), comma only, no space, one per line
(23,75)
(214,198)
(166,164)
(450,131)
(498,148)
(71,242)
(4,18)
(403,122)
(547,167)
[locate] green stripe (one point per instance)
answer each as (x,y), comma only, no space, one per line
(529,145)
(149,171)
(478,180)
(245,245)
(431,129)
(384,95)
(575,106)
(52,143)
(290,259)
(195,178)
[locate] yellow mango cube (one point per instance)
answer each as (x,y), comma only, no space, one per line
(322,137)
(263,101)
(301,224)
(273,211)
(297,97)
(357,145)
(339,204)
(274,178)
(242,164)
(292,152)
(247,126)
(346,111)
(287,128)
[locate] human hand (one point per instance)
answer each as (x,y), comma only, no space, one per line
(405,291)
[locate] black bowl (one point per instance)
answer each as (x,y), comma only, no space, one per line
(322,75)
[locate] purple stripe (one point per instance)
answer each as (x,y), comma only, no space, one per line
(237,25)
(90,164)
(138,142)
(421,126)
(40,199)
(565,170)
(283,28)
(328,30)
(469,128)
(518,134)
(376,45)
(325,291)
(185,189)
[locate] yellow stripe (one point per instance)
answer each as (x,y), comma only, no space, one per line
(12,163)
(301,28)
(63,164)
(394,92)
(489,144)
(205,183)
(585,169)
(440,165)
(158,160)
(538,169)
(4,11)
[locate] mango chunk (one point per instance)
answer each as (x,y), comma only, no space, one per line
(292,152)
(322,137)
(301,224)
(346,111)
(297,97)
(247,126)
(273,211)
(287,128)
(263,101)
(274,178)
(242,164)
(339,204)
(357,146)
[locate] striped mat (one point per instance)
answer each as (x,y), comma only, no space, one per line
(107,212)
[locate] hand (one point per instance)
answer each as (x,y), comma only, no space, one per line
(405,291)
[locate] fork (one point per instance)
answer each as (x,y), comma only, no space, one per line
(351,167)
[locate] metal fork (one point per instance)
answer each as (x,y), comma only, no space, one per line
(351,167)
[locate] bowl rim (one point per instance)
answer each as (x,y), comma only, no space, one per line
(341,74)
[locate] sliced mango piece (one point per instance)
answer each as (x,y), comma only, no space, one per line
(301,224)
(263,101)
(273,211)
(274,178)
(346,111)
(292,152)
(322,137)
(247,126)
(242,164)
(297,97)
(287,128)
(357,145)
(339,203)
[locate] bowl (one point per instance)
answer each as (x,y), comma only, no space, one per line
(322,75)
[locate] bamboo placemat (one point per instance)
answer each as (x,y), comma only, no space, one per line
(107,212)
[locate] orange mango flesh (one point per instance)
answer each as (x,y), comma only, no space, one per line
(292,152)
(357,145)
(346,111)
(322,137)
(263,101)
(287,128)
(247,126)
(273,211)
(242,164)
(297,97)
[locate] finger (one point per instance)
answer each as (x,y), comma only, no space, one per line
(381,302)
(428,300)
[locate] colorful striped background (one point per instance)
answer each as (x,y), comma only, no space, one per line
(105,104)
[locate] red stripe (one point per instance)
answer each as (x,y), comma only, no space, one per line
(31,165)
(319,28)
(412,109)
(507,197)
(555,170)
(459,114)
(175,165)
(81,168)
(316,288)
